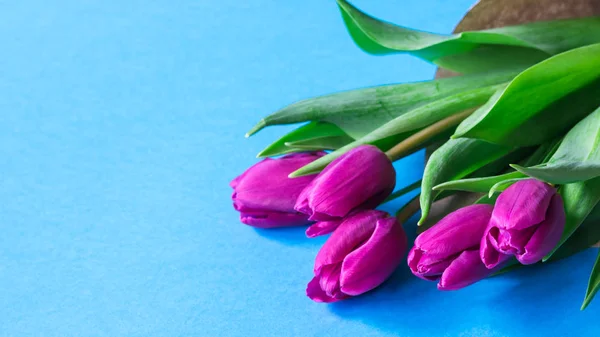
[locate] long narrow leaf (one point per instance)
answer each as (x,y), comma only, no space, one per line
(516,45)
(323,143)
(531,109)
(579,200)
(361,111)
(563,172)
(408,123)
(481,185)
(583,238)
(593,285)
(313,130)
(454,160)
(576,159)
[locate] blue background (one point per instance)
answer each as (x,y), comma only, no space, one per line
(121,125)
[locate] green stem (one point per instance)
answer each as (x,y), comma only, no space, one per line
(403,191)
(410,209)
(411,143)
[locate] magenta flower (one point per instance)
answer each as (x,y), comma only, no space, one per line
(265,196)
(527,222)
(322,228)
(361,253)
(360,179)
(449,251)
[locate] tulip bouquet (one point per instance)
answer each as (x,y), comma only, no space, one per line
(519,130)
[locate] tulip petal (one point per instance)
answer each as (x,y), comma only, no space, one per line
(266,186)
(330,279)
(315,293)
(488,251)
(547,234)
(465,270)
(273,219)
(523,204)
(374,261)
(512,241)
(456,232)
(363,177)
(353,231)
(322,228)
(425,268)
(237,180)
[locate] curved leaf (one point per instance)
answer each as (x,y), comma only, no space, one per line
(480,185)
(579,199)
(483,184)
(563,172)
(516,45)
(593,284)
(530,110)
(408,123)
(456,159)
(322,143)
(577,157)
(502,185)
(310,131)
(582,142)
(361,111)
(584,237)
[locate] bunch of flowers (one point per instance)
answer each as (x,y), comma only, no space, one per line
(520,129)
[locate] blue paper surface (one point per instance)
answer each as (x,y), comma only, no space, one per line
(121,125)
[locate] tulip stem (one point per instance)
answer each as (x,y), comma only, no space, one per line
(410,209)
(413,142)
(403,191)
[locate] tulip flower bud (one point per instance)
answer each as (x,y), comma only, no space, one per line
(265,196)
(322,228)
(449,251)
(527,222)
(360,179)
(361,254)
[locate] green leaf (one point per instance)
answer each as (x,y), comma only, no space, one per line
(563,172)
(487,199)
(323,143)
(491,57)
(500,46)
(582,142)
(584,237)
(576,159)
(503,185)
(454,160)
(361,111)
(310,131)
(593,284)
(579,199)
(531,109)
(408,124)
(543,153)
(383,144)
(480,185)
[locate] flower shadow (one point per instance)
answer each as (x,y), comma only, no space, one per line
(290,236)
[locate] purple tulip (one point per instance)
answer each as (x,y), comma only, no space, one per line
(360,179)
(527,222)
(265,196)
(449,251)
(361,253)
